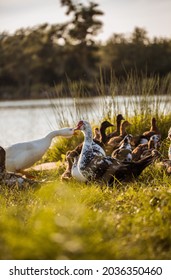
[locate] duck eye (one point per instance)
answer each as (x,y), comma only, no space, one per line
(80,123)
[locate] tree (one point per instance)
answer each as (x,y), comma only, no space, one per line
(80,33)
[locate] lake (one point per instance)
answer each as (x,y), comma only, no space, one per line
(32,119)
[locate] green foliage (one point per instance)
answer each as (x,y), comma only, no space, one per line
(35,59)
(137,54)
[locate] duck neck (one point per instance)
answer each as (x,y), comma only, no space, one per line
(103,134)
(87,149)
(53,134)
(122,130)
(69,165)
(118,125)
(154,126)
(88,138)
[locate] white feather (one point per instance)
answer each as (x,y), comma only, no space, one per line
(23,155)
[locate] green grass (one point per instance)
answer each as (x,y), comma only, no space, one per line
(71,220)
(68,220)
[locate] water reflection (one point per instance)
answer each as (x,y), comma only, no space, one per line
(32,119)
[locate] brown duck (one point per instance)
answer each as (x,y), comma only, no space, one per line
(153,130)
(96,134)
(124,152)
(114,142)
(138,151)
(119,119)
(145,149)
(104,137)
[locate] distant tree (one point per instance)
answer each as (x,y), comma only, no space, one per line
(80,34)
(139,36)
(35,58)
(137,53)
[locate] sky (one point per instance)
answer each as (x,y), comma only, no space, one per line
(120,16)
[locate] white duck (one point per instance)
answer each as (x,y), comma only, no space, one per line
(83,167)
(10,179)
(23,155)
(91,149)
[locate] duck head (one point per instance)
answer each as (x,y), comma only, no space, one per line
(155,138)
(128,138)
(154,141)
(153,121)
(119,117)
(106,124)
(82,125)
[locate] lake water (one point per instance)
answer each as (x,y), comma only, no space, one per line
(32,119)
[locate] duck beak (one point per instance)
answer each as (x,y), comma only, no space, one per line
(77,127)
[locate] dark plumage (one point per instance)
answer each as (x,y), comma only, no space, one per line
(138,151)
(119,119)
(103,136)
(105,169)
(133,169)
(145,149)
(139,139)
(145,137)
(124,152)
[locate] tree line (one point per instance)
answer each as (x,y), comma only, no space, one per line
(40,58)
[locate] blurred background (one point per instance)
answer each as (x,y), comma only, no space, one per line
(72,49)
(47,44)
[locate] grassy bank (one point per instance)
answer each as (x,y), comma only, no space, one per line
(69,220)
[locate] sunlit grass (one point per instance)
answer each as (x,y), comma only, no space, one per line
(71,220)
(77,221)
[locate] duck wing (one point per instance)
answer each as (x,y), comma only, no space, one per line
(107,170)
(131,170)
(98,167)
(122,154)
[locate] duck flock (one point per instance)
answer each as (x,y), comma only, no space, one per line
(102,158)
